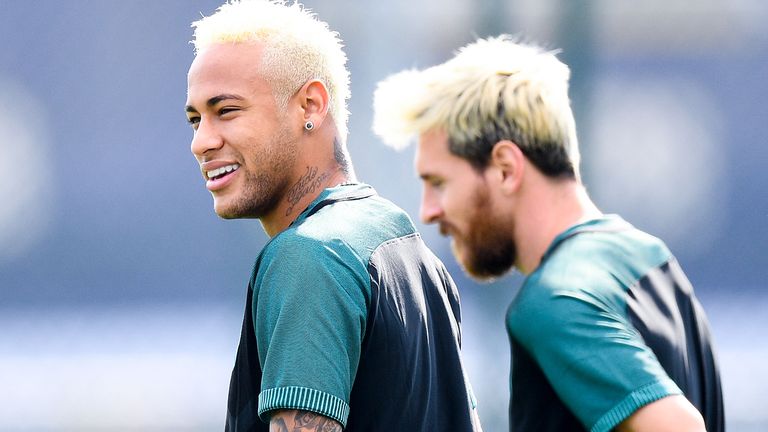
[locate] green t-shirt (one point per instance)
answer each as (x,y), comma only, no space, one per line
(350,316)
(590,324)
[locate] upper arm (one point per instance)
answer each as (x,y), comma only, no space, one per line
(595,360)
(309,318)
(669,414)
(301,421)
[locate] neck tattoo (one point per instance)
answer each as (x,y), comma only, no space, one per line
(308,183)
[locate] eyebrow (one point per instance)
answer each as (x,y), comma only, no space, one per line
(215,100)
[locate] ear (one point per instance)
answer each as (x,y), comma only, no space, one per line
(313,98)
(508,162)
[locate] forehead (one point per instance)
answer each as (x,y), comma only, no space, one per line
(433,156)
(226,68)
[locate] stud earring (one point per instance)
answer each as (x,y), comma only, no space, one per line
(309,125)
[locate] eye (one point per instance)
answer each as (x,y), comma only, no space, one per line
(226,110)
(433,182)
(193,121)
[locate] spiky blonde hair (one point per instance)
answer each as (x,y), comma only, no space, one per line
(298,47)
(493,89)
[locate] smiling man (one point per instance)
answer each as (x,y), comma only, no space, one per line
(606,332)
(350,322)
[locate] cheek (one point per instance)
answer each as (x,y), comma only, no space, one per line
(452,209)
(458,203)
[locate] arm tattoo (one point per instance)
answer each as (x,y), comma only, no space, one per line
(306,184)
(281,426)
(309,421)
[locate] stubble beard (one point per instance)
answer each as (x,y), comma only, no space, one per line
(262,191)
(489,250)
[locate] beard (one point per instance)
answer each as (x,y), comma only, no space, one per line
(263,189)
(488,248)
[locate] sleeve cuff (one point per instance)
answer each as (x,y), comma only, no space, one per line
(635,400)
(302,398)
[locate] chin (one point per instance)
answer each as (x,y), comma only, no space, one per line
(225,211)
(484,274)
(479,274)
(484,264)
(242,207)
(225,215)
(467,263)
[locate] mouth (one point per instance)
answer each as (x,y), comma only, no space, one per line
(219,173)
(219,178)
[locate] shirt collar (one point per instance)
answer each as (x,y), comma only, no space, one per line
(342,192)
(605,223)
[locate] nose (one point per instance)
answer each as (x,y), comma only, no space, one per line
(430,211)
(206,138)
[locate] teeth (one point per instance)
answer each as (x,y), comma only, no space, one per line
(219,171)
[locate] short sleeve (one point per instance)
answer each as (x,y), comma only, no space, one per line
(595,360)
(309,317)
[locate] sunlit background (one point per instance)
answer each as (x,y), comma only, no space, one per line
(121,293)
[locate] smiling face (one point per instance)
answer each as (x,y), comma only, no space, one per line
(242,141)
(458,198)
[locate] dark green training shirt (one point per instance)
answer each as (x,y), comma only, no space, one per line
(351,316)
(606,324)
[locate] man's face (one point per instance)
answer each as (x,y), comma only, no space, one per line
(243,144)
(457,197)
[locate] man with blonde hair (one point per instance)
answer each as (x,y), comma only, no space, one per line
(350,321)
(606,332)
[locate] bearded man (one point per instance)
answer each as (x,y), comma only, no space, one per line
(606,332)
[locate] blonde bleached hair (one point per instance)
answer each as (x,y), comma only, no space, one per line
(298,47)
(493,89)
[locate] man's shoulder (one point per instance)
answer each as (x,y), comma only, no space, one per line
(364,222)
(594,258)
(346,228)
(373,210)
(592,269)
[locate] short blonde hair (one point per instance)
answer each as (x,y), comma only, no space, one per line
(298,47)
(493,89)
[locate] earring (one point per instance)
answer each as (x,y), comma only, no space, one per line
(309,125)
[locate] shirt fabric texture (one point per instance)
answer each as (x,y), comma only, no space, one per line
(350,315)
(606,324)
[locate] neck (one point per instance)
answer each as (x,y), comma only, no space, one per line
(299,195)
(552,206)
(316,168)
